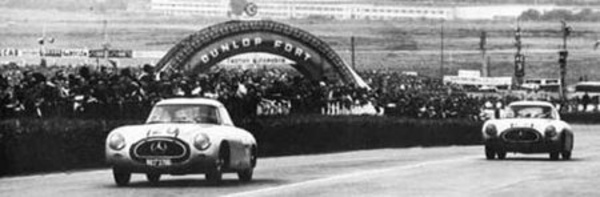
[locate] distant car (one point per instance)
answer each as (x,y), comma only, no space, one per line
(528,127)
(182,136)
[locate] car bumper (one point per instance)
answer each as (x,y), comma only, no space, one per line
(199,162)
(540,146)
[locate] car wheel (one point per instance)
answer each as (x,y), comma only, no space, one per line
(489,153)
(566,155)
(253,157)
(153,178)
(554,156)
(246,175)
(122,177)
(215,175)
(567,147)
(501,155)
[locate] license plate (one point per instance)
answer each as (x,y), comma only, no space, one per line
(158,162)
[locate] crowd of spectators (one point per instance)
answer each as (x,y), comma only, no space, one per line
(128,93)
(422,97)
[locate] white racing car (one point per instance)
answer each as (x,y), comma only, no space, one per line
(182,136)
(528,127)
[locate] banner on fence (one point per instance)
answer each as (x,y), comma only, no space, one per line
(75,53)
(88,53)
(112,53)
(29,52)
(484,81)
(9,52)
(52,53)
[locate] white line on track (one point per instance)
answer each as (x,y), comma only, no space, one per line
(333,179)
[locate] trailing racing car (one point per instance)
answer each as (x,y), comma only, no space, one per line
(528,127)
(182,136)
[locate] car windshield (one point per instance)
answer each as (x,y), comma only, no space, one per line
(529,111)
(183,114)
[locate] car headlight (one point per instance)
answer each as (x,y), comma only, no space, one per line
(550,131)
(116,141)
(201,141)
(491,130)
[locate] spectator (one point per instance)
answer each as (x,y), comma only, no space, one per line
(585,101)
(109,93)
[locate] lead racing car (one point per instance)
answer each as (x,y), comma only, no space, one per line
(182,136)
(528,127)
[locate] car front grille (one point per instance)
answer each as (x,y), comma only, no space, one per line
(160,148)
(521,135)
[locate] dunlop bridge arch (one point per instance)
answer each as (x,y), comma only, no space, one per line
(207,47)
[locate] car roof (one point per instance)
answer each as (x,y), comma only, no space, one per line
(188,101)
(540,103)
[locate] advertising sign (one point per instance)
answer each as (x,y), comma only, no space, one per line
(256,59)
(75,53)
(9,52)
(52,53)
(112,53)
(485,81)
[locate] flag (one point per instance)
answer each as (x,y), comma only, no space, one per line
(113,63)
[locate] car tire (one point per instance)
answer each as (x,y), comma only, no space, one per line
(566,155)
(554,156)
(567,147)
(121,177)
(489,153)
(501,155)
(253,156)
(246,175)
(153,177)
(215,175)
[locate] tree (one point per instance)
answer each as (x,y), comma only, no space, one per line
(558,14)
(530,15)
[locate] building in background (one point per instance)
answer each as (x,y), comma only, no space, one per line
(347,9)
(298,9)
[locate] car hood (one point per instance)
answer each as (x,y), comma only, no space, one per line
(182,131)
(537,124)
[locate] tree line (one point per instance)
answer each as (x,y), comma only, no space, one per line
(560,14)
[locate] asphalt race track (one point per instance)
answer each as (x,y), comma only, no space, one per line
(439,171)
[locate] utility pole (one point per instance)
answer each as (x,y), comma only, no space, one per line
(519,57)
(442,50)
(43,41)
(106,43)
(484,59)
(352,49)
(562,58)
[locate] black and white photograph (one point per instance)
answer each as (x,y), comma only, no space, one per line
(299,98)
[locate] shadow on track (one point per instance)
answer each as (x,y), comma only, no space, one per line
(187,183)
(541,159)
(522,158)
